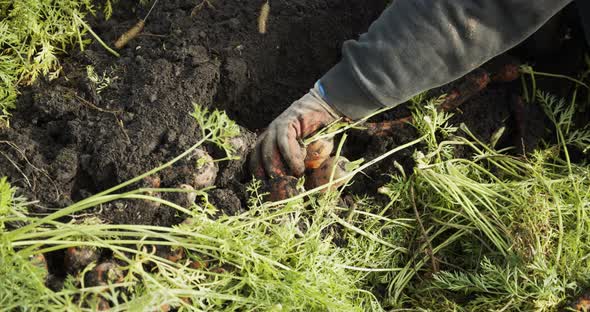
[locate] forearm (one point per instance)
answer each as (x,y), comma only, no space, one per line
(417,45)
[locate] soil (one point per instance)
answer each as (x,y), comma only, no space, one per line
(71,138)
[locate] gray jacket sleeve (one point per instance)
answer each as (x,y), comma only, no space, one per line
(416,45)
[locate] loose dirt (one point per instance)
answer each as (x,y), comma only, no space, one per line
(72,137)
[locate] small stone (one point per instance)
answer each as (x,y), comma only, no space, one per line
(199,54)
(129,116)
(171,136)
(85,161)
(234,23)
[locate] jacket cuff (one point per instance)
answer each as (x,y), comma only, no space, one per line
(340,89)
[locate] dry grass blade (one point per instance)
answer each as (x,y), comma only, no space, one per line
(263,17)
(129,34)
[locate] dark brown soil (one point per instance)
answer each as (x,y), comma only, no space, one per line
(71,140)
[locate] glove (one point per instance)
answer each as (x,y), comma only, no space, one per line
(279,150)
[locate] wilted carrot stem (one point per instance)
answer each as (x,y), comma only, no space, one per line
(129,35)
(263,17)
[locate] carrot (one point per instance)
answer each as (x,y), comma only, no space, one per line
(205,170)
(471,84)
(317,152)
(40,261)
(582,303)
(77,258)
(282,188)
(322,175)
(503,68)
(103,304)
(190,196)
(104,274)
(198,265)
(176,255)
(152,182)
(386,127)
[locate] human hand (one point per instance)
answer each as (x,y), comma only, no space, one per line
(279,150)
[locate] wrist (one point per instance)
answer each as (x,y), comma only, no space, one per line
(344,94)
(318,92)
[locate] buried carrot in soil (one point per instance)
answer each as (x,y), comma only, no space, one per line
(104,274)
(77,258)
(582,303)
(204,171)
(472,84)
(281,188)
(40,262)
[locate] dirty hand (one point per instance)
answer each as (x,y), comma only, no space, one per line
(279,150)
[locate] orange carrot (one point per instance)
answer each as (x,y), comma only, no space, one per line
(317,152)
